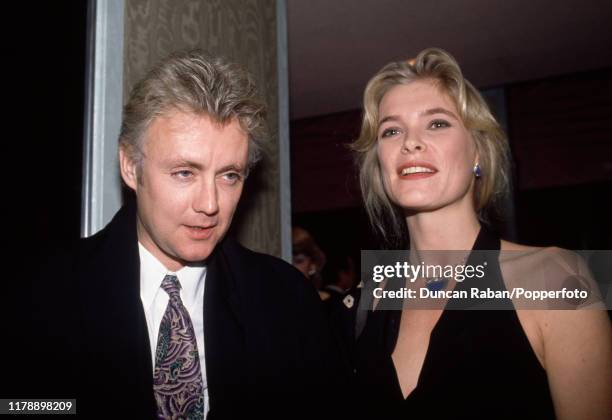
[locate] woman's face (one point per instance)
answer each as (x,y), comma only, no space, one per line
(425,152)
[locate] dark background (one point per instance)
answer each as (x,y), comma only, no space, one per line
(46,44)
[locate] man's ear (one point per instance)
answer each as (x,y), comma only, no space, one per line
(128,169)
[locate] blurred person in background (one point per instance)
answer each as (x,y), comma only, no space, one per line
(308,257)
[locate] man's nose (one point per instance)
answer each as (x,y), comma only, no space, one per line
(207,198)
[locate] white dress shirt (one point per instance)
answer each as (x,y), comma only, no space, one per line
(155,300)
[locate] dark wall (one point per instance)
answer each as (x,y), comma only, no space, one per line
(562,145)
(560,130)
(323,176)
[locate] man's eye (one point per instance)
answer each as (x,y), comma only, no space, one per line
(184,174)
(232,177)
(439,124)
(389,132)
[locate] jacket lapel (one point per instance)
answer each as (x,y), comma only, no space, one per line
(224,335)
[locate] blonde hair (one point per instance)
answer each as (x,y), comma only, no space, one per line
(441,68)
(194,82)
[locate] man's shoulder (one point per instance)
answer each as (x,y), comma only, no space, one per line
(112,245)
(80,250)
(254,262)
(262,274)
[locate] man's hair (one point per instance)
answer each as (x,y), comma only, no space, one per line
(440,68)
(197,83)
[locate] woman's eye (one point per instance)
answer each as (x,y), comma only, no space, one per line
(439,124)
(389,132)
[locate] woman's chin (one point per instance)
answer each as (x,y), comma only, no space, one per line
(413,208)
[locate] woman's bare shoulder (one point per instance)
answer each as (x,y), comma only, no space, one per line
(548,257)
(548,269)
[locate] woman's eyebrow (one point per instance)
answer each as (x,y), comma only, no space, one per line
(389,118)
(425,112)
(432,111)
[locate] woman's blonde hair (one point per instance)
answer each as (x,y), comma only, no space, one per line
(440,68)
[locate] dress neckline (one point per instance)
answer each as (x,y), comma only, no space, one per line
(486,240)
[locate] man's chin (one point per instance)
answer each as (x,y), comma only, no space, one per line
(196,251)
(191,257)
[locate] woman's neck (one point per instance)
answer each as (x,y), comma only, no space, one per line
(448,228)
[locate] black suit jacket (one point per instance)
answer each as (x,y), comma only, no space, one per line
(267,344)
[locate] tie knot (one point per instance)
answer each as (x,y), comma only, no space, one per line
(171,285)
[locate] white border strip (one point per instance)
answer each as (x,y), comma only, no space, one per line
(103,105)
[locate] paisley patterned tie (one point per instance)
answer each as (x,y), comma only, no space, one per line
(177,379)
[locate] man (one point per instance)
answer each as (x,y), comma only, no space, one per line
(160,314)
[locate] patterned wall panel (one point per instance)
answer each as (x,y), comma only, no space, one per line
(243,31)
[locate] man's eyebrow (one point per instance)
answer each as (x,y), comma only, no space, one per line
(173,162)
(231,167)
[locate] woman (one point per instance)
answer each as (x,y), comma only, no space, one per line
(433,161)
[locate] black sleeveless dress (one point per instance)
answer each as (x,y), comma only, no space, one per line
(479,364)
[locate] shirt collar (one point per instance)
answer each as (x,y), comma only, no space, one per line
(152,273)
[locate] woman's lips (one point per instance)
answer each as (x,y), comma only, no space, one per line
(416,176)
(417,170)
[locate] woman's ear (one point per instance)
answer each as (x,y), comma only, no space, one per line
(128,169)
(476,151)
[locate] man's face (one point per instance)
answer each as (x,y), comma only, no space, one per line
(192,176)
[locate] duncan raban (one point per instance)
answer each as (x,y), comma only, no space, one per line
(476,293)
(421,293)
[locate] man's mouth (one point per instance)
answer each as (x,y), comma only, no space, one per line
(200,232)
